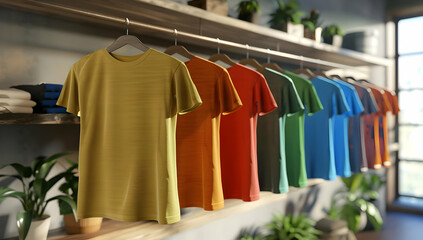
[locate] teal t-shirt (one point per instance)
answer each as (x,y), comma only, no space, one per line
(294,130)
(271,133)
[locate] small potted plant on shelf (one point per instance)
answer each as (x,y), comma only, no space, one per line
(248,10)
(354,203)
(333,35)
(312,29)
(70,188)
(287,18)
(32,223)
(292,228)
(215,6)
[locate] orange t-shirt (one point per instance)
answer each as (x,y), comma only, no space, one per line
(384,141)
(372,128)
(197,136)
(238,132)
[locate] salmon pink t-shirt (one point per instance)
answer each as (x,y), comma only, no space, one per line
(238,137)
(197,136)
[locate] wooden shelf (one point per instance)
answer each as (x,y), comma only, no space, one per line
(168,14)
(37,118)
(190,218)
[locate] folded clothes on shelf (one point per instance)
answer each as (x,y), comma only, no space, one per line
(14,93)
(53,87)
(48,103)
(51,95)
(55,110)
(15,109)
(16,102)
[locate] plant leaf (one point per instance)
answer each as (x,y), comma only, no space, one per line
(13,176)
(24,172)
(373,215)
(40,188)
(8,192)
(23,221)
(48,164)
(67,200)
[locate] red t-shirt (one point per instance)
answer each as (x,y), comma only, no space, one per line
(238,135)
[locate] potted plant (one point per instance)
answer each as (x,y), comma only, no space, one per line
(354,202)
(311,23)
(248,10)
(70,188)
(287,18)
(333,35)
(32,223)
(292,228)
(215,6)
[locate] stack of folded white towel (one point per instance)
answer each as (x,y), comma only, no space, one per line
(15,101)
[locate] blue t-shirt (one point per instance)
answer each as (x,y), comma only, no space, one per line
(319,145)
(340,131)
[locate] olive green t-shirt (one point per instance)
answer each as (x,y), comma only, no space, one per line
(271,133)
(127,153)
(295,153)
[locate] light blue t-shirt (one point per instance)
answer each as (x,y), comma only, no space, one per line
(319,145)
(340,131)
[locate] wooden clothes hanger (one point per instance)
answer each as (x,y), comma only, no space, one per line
(305,71)
(178,49)
(321,73)
(251,62)
(127,40)
(221,57)
(272,65)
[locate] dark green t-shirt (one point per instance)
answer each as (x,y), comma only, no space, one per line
(295,153)
(271,133)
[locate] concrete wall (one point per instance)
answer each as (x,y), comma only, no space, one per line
(36,49)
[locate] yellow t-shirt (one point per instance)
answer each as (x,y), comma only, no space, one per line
(127,155)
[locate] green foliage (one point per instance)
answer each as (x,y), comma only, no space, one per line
(286,12)
(250,234)
(311,21)
(292,228)
(69,187)
(332,30)
(355,198)
(248,7)
(35,187)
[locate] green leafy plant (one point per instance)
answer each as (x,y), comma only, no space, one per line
(286,12)
(311,21)
(330,31)
(355,198)
(250,234)
(247,8)
(69,187)
(292,228)
(35,187)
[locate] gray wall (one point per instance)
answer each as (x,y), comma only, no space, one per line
(36,49)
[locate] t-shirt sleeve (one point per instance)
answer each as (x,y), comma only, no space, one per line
(263,97)
(357,105)
(386,103)
(229,100)
(374,108)
(185,93)
(294,103)
(339,102)
(395,104)
(69,96)
(312,100)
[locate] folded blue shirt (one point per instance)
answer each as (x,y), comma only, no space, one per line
(55,110)
(53,87)
(48,103)
(51,95)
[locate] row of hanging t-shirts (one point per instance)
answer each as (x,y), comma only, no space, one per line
(239,131)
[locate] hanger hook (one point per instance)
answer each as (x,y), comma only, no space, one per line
(218,45)
(127,25)
(301,62)
(248,50)
(176,36)
(268,55)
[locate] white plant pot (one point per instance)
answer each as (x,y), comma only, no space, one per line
(39,229)
(337,41)
(295,29)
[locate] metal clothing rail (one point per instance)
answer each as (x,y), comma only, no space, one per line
(218,42)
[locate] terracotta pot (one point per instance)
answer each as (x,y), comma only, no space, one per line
(86,225)
(39,228)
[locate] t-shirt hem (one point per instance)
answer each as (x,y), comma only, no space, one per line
(74,112)
(211,207)
(166,220)
(244,198)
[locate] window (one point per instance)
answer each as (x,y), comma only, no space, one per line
(410,86)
